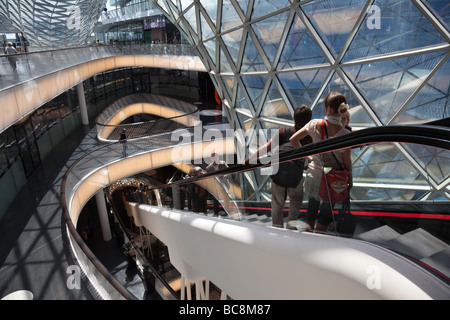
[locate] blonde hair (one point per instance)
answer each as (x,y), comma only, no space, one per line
(343,108)
(346,114)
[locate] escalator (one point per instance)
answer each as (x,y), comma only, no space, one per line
(414,222)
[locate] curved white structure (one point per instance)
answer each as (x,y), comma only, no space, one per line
(24,98)
(256,262)
(165,107)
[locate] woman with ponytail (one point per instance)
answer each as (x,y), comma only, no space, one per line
(335,106)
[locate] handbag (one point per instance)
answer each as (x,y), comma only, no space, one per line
(334,182)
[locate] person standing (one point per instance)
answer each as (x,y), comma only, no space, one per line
(215,165)
(123,142)
(11,52)
(302,115)
(335,106)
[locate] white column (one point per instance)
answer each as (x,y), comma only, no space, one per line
(103,215)
(82,100)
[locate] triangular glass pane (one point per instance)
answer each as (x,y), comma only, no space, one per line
(388,29)
(274,105)
(269,32)
(358,115)
(435,161)
(245,121)
(185,4)
(384,164)
(388,84)
(264,7)
(241,102)
(334,21)
(211,48)
(300,48)
(164,7)
(243,4)
(230,83)
(252,61)
(232,41)
(230,18)
(190,16)
(211,10)
(224,63)
(254,85)
(301,87)
(175,3)
(437,197)
(440,10)
(206,29)
(431,103)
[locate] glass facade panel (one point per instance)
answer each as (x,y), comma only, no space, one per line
(66,23)
(264,7)
(254,86)
(302,87)
(334,20)
(230,18)
(232,42)
(269,32)
(400,26)
(274,106)
(252,60)
(300,48)
(440,10)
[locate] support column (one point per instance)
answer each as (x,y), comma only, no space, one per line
(83,107)
(176,197)
(103,215)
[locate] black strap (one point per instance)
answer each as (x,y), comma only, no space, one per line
(326,135)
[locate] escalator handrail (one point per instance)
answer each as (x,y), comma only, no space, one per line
(426,134)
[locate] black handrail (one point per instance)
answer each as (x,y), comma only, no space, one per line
(87,251)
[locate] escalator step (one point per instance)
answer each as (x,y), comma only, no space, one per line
(440,261)
(379,235)
(417,243)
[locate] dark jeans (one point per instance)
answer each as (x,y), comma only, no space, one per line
(325,216)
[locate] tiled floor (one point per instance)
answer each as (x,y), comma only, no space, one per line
(33,254)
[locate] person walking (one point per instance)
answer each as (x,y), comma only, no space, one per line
(123,142)
(11,52)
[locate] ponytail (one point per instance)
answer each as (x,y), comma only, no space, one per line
(343,108)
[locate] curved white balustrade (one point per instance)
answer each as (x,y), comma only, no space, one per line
(86,178)
(24,98)
(143,103)
(256,262)
(104,174)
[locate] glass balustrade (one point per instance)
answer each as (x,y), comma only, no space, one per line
(15,69)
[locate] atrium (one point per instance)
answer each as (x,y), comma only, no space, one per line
(113,111)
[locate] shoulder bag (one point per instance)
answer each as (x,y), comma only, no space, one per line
(334,183)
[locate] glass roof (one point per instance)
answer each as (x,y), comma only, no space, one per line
(53,23)
(390,59)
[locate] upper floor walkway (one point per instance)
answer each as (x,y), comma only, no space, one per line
(29,80)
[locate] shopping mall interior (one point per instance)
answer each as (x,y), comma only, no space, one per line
(138,150)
